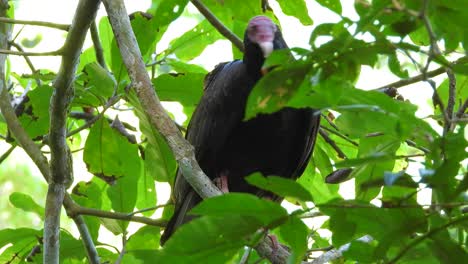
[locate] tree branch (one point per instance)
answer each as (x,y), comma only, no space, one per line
(34,23)
(61,168)
(97,46)
(236,41)
(421,77)
(58,52)
(40,160)
(76,209)
(7,153)
(451,101)
(28,145)
(332,143)
(28,61)
(182,150)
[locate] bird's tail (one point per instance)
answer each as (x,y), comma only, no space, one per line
(180,216)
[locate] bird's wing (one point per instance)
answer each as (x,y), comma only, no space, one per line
(220,109)
(311,135)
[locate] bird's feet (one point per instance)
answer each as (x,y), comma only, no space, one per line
(222,182)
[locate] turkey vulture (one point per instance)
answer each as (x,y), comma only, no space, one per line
(228,148)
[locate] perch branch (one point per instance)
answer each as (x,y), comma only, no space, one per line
(218,25)
(182,150)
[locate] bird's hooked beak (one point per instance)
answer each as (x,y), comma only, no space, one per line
(266,47)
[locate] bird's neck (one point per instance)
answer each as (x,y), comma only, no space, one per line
(253,60)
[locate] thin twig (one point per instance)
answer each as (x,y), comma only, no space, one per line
(421,77)
(414,145)
(76,209)
(123,251)
(7,153)
(332,144)
(462,109)
(149,209)
(34,23)
(218,24)
(339,135)
(99,51)
(28,61)
(451,101)
(58,52)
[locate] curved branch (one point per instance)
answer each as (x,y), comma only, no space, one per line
(236,41)
(34,23)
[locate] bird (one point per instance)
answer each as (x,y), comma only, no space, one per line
(227,147)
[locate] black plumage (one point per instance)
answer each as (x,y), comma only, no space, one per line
(274,144)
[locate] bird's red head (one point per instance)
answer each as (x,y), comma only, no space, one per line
(261,30)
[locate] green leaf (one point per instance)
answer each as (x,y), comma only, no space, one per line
(296,8)
(186,88)
(26,203)
(333,5)
(371,171)
(315,184)
(274,90)
(279,185)
(147,237)
(159,160)
(388,226)
(193,42)
(241,204)
(209,239)
(37,122)
(110,156)
(99,81)
(89,194)
(146,192)
(22,240)
(184,67)
(295,233)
